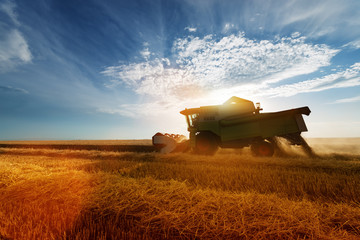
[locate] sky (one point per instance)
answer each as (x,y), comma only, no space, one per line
(125,69)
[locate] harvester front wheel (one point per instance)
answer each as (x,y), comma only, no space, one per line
(262,149)
(206,144)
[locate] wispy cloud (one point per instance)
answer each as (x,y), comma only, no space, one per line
(316,19)
(149,109)
(14,49)
(9,89)
(347,78)
(8,7)
(353,44)
(348,100)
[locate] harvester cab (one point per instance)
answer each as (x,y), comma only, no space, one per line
(236,124)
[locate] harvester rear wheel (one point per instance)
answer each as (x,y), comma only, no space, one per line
(262,149)
(206,144)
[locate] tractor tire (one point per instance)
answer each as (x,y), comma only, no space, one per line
(206,144)
(262,149)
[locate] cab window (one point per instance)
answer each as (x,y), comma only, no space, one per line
(192,119)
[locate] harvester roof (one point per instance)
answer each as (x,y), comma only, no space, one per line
(236,100)
(240,104)
(189,111)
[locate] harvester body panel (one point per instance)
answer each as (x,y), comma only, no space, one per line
(237,123)
(264,125)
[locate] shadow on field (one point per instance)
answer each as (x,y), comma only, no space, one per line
(4,238)
(92,224)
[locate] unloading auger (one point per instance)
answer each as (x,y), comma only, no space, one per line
(236,124)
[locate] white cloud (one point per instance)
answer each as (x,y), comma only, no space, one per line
(348,100)
(191,29)
(203,65)
(207,63)
(229,26)
(295,35)
(13,50)
(145,53)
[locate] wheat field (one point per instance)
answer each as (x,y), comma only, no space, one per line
(79,194)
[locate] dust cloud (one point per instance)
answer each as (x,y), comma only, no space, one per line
(335,145)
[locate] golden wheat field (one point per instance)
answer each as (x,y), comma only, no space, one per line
(82,194)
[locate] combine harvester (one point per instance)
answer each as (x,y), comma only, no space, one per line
(236,124)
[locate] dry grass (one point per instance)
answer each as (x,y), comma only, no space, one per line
(82,142)
(67,194)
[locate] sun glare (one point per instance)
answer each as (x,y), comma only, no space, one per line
(222,95)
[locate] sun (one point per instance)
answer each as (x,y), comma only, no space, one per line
(220,96)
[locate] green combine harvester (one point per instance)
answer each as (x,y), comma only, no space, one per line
(236,124)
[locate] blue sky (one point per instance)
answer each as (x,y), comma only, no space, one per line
(124,69)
